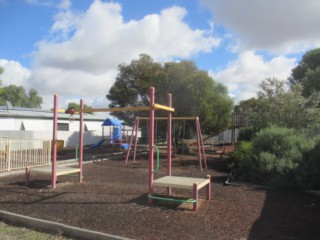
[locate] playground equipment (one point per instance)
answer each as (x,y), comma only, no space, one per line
(54,170)
(116,137)
(199,142)
(170,181)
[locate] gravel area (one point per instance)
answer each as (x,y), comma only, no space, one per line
(113,199)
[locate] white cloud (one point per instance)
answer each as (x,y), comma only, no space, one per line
(286,26)
(14,73)
(83,51)
(243,75)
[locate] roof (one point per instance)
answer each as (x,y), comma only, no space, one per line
(15,112)
(111,122)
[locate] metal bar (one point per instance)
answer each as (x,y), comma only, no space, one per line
(169,140)
(81,141)
(54,140)
(151,142)
(123,109)
(173,118)
(163,107)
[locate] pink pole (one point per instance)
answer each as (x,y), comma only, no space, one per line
(169,140)
(54,142)
(81,141)
(131,139)
(136,141)
(198,142)
(203,153)
(151,141)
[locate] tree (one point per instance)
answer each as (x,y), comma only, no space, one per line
(76,106)
(280,105)
(18,97)
(307,73)
(1,72)
(194,92)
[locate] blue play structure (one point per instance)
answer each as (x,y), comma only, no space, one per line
(116,134)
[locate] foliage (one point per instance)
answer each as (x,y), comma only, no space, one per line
(247,133)
(194,92)
(76,106)
(1,72)
(279,157)
(307,175)
(19,98)
(277,104)
(242,164)
(307,73)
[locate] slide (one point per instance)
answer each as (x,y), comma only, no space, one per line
(124,145)
(97,144)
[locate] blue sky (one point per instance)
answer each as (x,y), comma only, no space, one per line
(73,47)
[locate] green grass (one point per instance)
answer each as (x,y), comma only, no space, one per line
(8,232)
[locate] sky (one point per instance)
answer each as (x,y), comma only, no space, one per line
(72,48)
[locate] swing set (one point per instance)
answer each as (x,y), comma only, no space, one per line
(199,142)
(169,181)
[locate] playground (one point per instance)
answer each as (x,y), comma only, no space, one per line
(158,196)
(113,199)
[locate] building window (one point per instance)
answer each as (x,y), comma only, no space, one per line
(63,126)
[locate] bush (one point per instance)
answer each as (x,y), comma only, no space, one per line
(279,157)
(242,164)
(247,133)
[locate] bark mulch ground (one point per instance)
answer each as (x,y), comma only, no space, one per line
(113,199)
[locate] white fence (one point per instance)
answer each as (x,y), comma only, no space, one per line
(19,153)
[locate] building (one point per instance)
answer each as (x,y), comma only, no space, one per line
(38,124)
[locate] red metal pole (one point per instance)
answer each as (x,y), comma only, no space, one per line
(169,140)
(151,141)
(203,153)
(136,141)
(198,142)
(54,142)
(81,141)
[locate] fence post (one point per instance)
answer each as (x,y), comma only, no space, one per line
(8,155)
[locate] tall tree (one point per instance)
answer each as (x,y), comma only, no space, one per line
(307,72)
(278,104)
(194,92)
(1,72)
(18,97)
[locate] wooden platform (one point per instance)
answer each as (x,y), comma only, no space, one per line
(181,182)
(193,184)
(60,170)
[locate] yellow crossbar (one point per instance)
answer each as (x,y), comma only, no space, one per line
(139,108)
(165,118)
(163,107)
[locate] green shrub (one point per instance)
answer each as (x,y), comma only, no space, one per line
(247,133)
(279,157)
(242,163)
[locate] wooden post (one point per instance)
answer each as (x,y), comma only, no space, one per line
(195,196)
(208,188)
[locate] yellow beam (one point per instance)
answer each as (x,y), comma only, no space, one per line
(173,118)
(163,107)
(139,108)
(122,109)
